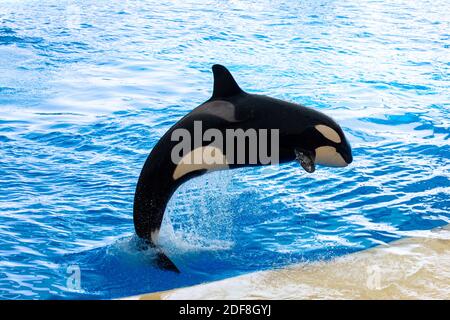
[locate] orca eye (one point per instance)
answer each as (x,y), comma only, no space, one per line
(328,133)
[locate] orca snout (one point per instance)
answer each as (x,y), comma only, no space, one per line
(346,153)
(348,157)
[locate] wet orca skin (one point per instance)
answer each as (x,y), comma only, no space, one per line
(305,134)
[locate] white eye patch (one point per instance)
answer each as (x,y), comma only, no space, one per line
(328,133)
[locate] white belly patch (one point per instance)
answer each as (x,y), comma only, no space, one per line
(208,157)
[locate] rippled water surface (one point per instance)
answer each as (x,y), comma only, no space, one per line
(86,90)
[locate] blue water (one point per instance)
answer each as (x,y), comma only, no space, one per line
(86,90)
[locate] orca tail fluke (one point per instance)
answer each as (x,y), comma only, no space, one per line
(159,258)
(164,263)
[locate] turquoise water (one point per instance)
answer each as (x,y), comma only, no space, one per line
(86,91)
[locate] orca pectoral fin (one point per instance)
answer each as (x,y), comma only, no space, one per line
(164,263)
(306,160)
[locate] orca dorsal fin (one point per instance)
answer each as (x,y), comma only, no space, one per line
(224,83)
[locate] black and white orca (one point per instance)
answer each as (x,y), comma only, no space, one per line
(304,134)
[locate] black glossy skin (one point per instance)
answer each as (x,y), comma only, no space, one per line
(295,123)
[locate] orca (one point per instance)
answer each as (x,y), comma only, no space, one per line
(304,135)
